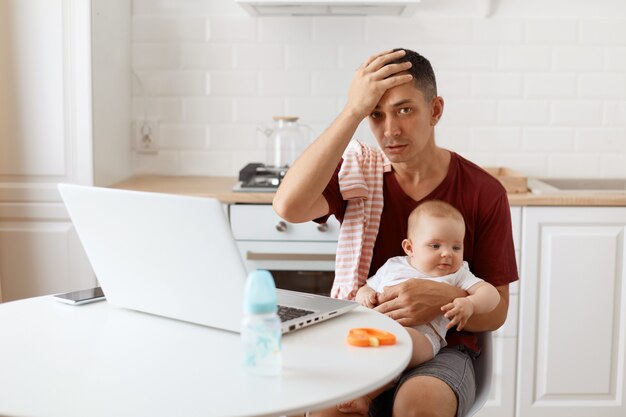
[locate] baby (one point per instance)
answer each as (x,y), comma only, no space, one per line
(434,250)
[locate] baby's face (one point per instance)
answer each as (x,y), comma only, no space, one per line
(436,245)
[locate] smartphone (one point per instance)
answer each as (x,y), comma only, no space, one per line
(89,295)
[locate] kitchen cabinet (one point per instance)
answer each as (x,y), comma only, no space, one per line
(501,402)
(65,117)
(572,337)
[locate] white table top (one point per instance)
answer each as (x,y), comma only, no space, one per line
(98,360)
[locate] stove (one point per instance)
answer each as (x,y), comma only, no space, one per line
(258,178)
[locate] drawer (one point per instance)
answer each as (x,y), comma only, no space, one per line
(288,256)
(260,222)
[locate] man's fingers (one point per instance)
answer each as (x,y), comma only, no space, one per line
(403,322)
(396,80)
(388,306)
(389,70)
(383,59)
(379,60)
(396,315)
(372,58)
(388,294)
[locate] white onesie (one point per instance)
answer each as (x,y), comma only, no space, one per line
(397,270)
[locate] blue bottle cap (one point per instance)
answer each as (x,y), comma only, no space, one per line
(260,293)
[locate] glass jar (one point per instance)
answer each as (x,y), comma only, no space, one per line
(286,141)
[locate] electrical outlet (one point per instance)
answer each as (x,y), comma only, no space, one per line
(146,136)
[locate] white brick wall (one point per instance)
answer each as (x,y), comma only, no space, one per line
(546,96)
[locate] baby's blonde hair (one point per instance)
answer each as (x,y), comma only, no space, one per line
(435,208)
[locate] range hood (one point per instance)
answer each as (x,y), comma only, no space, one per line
(328,7)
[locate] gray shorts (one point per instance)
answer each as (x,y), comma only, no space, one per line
(454,366)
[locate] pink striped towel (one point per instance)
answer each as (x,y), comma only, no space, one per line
(361,184)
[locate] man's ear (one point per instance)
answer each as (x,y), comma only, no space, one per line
(436,110)
(407,246)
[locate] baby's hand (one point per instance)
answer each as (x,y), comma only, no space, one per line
(458,312)
(367,297)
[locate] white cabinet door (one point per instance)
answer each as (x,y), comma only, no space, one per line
(41,258)
(572,335)
(47,135)
(45,138)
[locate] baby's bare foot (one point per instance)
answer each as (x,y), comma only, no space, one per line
(360,405)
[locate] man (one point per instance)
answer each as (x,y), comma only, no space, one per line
(396,91)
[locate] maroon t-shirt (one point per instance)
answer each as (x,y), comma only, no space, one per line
(481,199)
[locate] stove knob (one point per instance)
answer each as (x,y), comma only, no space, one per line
(322,227)
(281,226)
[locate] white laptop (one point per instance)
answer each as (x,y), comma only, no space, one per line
(174,256)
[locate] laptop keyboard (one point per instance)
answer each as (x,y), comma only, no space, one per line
(287,313)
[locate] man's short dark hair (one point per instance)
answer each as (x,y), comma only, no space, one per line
(422,72)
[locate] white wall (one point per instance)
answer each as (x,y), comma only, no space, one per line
(544,95)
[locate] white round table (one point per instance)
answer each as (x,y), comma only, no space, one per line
(97,360)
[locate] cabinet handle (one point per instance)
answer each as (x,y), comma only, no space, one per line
(281,226)
(261,256)
(322,227)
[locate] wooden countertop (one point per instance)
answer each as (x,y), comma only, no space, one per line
(222,189)
(215,187)
(562,199)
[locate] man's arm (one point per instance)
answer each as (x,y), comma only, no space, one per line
(299,197)
(419,301)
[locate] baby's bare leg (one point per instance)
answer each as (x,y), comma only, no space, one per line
(422,348)
(422,352)
(361,405)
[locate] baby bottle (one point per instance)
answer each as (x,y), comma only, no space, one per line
(260,330)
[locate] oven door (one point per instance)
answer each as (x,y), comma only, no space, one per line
(301,257)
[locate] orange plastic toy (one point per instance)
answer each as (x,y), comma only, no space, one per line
(366,337)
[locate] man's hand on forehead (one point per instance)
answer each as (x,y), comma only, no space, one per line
(373,78)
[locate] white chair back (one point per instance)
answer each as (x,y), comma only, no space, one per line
(483,369)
